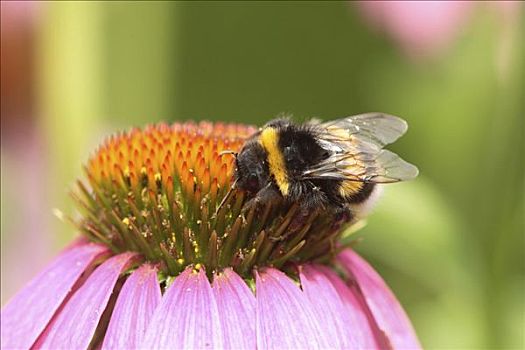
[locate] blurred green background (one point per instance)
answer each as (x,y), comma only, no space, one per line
(450,244)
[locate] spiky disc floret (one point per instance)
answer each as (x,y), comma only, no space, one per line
(156,191)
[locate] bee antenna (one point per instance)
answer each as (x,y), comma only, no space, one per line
(226,197)
(228,152)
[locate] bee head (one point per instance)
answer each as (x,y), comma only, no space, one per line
(251,172)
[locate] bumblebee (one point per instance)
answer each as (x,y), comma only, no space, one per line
(330,165)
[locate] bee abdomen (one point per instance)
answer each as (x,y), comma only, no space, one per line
(362,194)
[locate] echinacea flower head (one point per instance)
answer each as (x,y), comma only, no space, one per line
(161,265)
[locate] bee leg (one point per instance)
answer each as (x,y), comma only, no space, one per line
(315,201)
(266,195)
(249,205)
(300,218)
(343,215)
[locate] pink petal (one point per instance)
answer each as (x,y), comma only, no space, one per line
(386,310)
(356,313)
(285,317)
(135,305)
(337,308)
(187,316)
(74,326)
(29,311)
(236,305)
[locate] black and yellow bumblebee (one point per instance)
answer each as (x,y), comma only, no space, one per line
(330,165)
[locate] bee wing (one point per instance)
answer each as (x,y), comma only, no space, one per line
(380,167)
(355,146)
(377,128)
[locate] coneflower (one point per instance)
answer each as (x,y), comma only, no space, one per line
(160,265)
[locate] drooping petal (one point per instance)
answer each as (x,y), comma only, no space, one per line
(344,320)
(357,314)
(187,317)
(74,326)
(135,305)
(28,313)
(236,305)
(386,310)
(285,317)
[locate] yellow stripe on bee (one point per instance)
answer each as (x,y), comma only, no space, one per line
(269,139)
(349,188)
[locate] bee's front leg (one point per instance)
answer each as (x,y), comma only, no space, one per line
(266,195)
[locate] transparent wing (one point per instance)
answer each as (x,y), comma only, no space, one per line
(376,128)
(381,167)
(355,146)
